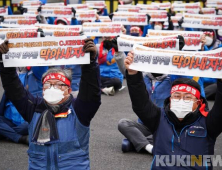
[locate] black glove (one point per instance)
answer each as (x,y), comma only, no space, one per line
(181,42)
(25,10)
(148,18)
(74,11)
(180,22)
(42,34)
(114,43)
(90,47)
(39,9)
(1,18)
(111,16)
(38,18)
(169,16)
(3,48)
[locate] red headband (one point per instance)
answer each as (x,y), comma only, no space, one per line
(186,88)
(56,76)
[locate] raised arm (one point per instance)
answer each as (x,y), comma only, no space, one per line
(89,97)
(142,105)
(24,102)
(214,118)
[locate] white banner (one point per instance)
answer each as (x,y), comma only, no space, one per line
(104,19)
(96,4)
(12,33)
(128,8)
(56,11)
(204,64)
(54,4)
(31,3)
(164,5)
(3,11)
(202,21)
(79,7)
(208,11)
(99,29)
(45,52)
(156,15)
(147,7)
(126,42)
(192,38)
(130,18)
(89,15)
(186,7)
(31,10)
(19,20)
(214,3)
(74,28)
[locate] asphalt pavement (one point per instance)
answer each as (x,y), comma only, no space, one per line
(105,141)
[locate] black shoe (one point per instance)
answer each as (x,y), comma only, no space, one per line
(24,140)
(127,146)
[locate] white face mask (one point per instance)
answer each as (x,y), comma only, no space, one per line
(157,27)
(53,96)
(209,40)
(219,32)
(181,108)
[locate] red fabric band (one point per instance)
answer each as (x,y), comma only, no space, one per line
(186,88)
(57,76)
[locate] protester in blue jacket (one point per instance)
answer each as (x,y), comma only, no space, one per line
(59,124)
(184,127)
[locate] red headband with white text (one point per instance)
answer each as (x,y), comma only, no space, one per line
(57,76)
(186,88)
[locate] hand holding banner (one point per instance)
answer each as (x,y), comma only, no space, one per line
(206,64)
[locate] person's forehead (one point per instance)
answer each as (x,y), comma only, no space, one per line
(53,81)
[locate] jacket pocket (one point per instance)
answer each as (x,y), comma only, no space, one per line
(37,160)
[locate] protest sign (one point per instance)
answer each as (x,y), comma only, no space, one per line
(79,7)
(99,29)
(96,4)
(202,21)
(147,7)
(3,11)
(31,3)
(214,3)
(128,8)
(156,15)
(19,20)
(164,5)
(31,10)
(204,64)
(104,19)
(89,15)
(130,18)
(60,30)
(126,42)
(54,4)
(192,39)
(56,11)
(208,11)
(45,52)
(186,7)
(12,33)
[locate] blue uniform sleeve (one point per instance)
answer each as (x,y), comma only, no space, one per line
(10,11)
(145,30)
(74,21)
(105,12)
(51,20)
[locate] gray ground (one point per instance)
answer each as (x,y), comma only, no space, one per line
(105,142)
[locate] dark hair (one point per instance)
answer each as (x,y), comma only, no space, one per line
(187,81)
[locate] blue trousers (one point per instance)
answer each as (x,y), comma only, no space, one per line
(12,131)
